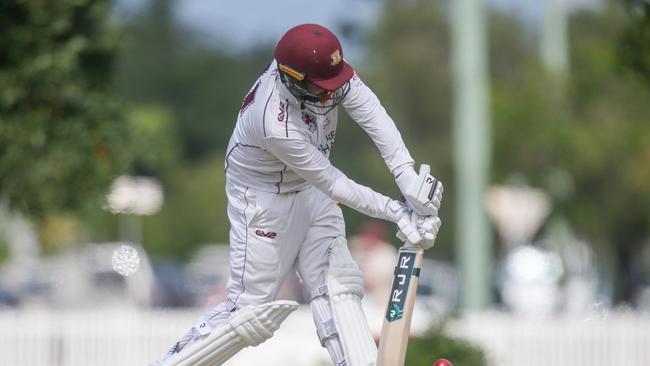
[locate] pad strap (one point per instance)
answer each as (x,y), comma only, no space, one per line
(321,290)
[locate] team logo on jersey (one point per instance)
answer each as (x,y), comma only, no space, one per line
(310,121)
(326,148)
(249,98)
(282,112)
(336,58)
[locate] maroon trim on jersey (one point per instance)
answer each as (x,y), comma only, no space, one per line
(228,156)
(264,114)
(249,98)
(233,149)
(286,128)
(245,251)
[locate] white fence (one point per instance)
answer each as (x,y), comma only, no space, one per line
(618,339)
(128,337)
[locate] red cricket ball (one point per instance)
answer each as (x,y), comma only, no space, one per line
(442,362)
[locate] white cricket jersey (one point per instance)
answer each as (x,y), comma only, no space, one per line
(278,147)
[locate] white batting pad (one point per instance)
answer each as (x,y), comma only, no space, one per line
(345,286)
(249,326)
(326,329)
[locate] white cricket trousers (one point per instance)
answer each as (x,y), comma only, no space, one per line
(270,235)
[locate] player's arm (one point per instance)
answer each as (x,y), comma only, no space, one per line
(365,109)
(305,160)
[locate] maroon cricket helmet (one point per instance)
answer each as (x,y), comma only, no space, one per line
(312,52)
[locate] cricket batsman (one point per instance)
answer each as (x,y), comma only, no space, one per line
(282,205)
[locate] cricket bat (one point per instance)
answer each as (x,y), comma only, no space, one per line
(396,328)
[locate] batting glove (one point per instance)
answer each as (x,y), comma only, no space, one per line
(427,228)
(405,219)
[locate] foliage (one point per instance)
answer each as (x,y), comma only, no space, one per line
(60,126)
(156,148)
(410,69)
(154,152)
(610,152)
(194,213)
(183,96)
(201,86)
(60,230)
(4,251)
(426,349)
(635,40)
(585,138)
(407,67)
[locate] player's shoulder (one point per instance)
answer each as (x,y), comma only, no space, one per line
(258,96)
(275,115)
(358,93)
(285,119)
(270,113)
(357,85)
(355,80)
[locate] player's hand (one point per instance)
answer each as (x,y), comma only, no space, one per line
(406,221)
(427,227)
(423,192)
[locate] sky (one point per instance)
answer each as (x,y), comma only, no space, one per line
(244,24)
(240,25)
(241,21)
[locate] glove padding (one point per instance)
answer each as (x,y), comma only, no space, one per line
(427,228)
(405,219)
(424,193)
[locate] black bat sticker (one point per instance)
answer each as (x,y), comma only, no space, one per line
(402,277)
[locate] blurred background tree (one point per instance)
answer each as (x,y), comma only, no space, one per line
(60,125)
(169,74)
(162,62)
(589,147)
(584,138)
(635,40)
(407,66)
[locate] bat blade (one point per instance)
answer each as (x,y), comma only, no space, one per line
(396,328)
